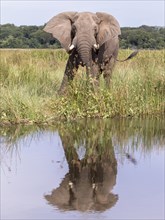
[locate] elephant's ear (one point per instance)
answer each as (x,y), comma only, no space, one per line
(60,27)
(108,27)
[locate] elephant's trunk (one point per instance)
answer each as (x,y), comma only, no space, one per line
(84,48)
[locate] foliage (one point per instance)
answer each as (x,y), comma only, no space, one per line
(30,80)
(143,37)
(12,36)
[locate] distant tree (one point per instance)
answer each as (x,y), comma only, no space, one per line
(144,37)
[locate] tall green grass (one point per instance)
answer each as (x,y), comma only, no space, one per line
(30,80)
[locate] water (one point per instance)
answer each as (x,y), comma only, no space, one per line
(95,169)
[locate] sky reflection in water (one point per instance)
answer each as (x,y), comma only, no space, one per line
(105,169)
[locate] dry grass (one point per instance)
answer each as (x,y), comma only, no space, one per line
(30,80)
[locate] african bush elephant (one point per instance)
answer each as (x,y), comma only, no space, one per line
(91,39)
(88,184)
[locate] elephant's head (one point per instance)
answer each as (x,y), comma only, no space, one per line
(83,31)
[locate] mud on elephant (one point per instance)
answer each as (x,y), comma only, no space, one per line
(91,39)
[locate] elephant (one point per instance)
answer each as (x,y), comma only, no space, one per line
(88,184)
(91,40)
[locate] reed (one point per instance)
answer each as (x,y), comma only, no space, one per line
(30,80)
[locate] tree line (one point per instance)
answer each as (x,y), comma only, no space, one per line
(143,37)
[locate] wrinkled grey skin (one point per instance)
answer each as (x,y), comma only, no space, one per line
(83,31)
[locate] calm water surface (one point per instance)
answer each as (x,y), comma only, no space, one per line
(95,169)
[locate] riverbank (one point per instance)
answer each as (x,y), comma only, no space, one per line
(30,80)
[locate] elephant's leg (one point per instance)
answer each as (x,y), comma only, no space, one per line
(95,69)
(93,77)
(70,71)
(93,74)
(96,74)
(107,73)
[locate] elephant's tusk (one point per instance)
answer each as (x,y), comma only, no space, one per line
(96,46)
(71,47)
(70,184)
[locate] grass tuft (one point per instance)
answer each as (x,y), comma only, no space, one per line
(30,80)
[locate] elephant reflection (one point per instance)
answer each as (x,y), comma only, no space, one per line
(89,182)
